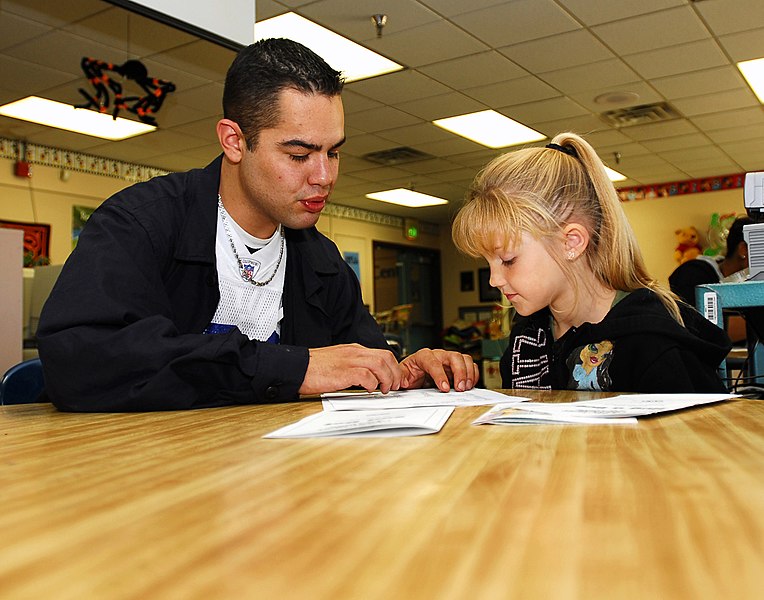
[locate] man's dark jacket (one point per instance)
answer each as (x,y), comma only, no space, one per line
(122,329)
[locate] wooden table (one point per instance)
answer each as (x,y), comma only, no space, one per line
(196,504)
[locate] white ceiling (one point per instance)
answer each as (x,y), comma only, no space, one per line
(541,62)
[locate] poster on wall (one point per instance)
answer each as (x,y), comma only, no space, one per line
(353,260)
(80,216)
(36,242)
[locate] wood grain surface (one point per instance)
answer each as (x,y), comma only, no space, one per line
(196,504)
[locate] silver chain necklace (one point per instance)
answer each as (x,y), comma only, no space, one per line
(242,270)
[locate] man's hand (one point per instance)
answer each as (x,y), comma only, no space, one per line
(339,367)
(442,367)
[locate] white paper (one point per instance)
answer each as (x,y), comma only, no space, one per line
(368,423)
(414,398)
(509,414)
(617,409)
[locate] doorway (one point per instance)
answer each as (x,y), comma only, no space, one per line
(407,290)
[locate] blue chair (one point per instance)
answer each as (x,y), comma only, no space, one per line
(22,383)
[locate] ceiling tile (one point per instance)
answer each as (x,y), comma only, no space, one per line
(593,13)
(617,96)
(63,51)
(354,102)
(398,87)
(438,107)
(664,129)
(200,58)
(744,46)
(655,30)
(684,58)
(424,45)
(517,21)
(731,16)
(676,142)
(545,110)
(353,18)
(55,14)
(379,119)
(604,75)
(561,51)
(718,102)
(16,30)
(510,93)
(451,8)
(745,117)
(698,82)
(471,71)
(747,132)
(415,135)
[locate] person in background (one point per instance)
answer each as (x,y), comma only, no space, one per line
(561,250)
(708,269)
(213,287)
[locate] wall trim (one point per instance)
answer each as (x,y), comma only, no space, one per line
(109,167)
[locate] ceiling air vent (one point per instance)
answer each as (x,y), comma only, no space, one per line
(640,115)
(396,156)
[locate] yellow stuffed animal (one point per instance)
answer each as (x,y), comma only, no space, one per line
(688,244)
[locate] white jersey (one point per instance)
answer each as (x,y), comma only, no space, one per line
(256,310)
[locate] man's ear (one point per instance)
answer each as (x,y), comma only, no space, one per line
(231,140)
(576,240)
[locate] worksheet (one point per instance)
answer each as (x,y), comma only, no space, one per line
(621,409)
(346,400)
(368,423)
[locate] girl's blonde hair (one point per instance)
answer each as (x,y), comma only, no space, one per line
(538,191)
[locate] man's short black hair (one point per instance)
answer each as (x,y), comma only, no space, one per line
(735,235)
(261,71)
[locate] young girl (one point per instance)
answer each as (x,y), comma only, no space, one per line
(589,316)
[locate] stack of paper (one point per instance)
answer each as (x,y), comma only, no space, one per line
(617,410)
(368,423)
(413,398)
(365,414)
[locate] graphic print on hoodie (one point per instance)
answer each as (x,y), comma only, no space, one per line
(637,347)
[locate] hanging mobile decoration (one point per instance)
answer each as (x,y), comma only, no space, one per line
(99,75)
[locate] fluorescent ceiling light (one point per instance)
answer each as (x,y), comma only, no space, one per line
(80,120)
(406,197)
(753,71)
(355,61)
(614,175)
(490,128)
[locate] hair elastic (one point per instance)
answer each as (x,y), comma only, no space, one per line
(569,150)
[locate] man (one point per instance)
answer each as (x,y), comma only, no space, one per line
(213,287)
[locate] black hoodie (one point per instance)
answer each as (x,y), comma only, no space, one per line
(637,347)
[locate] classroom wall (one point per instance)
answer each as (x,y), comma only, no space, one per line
(655,220)
(48,197)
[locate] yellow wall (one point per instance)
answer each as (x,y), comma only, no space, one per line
(654,222)
(48,198)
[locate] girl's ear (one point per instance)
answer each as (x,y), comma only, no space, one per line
(231,140)
(576,240)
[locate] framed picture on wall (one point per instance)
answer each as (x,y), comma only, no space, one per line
(36,242)
(487,293)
